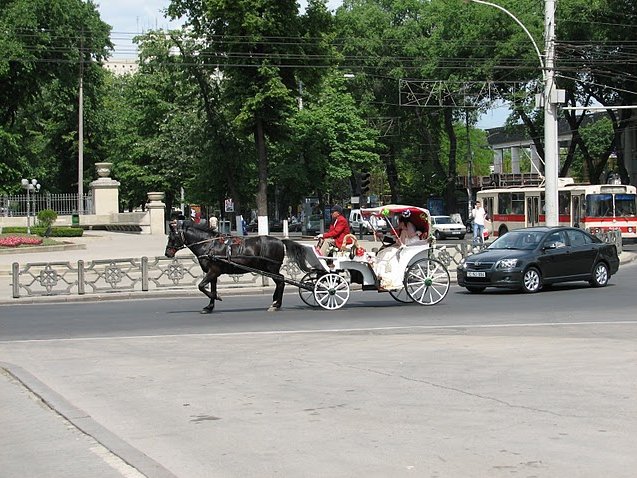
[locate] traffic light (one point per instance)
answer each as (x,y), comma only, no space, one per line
(365,180)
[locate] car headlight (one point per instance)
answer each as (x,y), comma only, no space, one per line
(506,264)
(462,264)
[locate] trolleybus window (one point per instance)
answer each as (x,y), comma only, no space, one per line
(599,205)
(625,204)
(511,203)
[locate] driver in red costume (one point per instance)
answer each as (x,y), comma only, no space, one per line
(336,233)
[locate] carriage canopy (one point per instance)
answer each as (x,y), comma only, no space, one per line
(419,216)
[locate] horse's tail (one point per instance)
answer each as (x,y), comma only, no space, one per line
(299,254)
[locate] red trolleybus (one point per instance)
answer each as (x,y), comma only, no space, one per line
(596,207)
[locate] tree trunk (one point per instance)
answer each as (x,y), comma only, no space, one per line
(262,187)
(392,173)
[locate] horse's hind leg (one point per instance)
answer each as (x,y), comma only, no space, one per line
(211,279)
(277,297)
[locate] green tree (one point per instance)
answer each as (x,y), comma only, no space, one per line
(331,141)
(43,45)
(596,60)
(155,124)
(255,47)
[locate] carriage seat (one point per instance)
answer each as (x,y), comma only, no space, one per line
(349,246)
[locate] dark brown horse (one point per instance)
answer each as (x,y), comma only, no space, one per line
(217,255)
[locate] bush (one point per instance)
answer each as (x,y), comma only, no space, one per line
(46,217)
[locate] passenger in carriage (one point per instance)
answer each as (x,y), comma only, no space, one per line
(336,234)
(406,230)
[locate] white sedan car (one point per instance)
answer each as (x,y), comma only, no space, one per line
(443,227)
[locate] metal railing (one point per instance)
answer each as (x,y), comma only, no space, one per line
(64,204)
(151,274)
(123,275)
(179,273)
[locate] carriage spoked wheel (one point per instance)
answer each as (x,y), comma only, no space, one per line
(331,291)
(401,295)
(427,281)
(307,296)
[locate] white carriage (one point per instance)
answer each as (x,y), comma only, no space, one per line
(408,272)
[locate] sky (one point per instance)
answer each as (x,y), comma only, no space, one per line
(131,17)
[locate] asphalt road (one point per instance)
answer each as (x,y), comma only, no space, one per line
(563,303)
(491,385)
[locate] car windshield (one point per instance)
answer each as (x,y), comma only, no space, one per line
(525,240)
(444,220)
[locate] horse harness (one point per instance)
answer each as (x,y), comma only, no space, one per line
(227,240)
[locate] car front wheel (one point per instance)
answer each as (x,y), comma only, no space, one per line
(438,235)
(531,280)
(600,275)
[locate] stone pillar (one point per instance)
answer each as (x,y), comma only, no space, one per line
(497,161)
(156,208)
(105,191)
(515,159)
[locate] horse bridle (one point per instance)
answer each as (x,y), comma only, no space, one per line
(177,226)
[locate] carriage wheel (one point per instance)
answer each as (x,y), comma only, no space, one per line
(331,291)
(401,295)
(307,296)
(427,281)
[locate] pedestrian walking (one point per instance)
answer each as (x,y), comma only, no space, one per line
(479,215)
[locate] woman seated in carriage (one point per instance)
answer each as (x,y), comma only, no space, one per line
(411,225)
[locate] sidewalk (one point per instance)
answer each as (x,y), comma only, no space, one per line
(99,245)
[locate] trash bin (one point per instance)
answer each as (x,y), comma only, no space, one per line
(75,220)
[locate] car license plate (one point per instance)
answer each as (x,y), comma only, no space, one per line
(476,274)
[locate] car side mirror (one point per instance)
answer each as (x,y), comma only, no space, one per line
(550,245)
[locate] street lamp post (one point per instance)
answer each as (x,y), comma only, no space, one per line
(549,102)
(34,186)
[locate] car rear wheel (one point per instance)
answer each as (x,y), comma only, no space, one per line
(531,280)
(475,290)
(600,275)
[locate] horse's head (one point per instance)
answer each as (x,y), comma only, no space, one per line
(176,239)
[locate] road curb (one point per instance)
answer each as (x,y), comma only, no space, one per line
(86,424)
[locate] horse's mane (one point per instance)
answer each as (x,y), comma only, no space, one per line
(200,230)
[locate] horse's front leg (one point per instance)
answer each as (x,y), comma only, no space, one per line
(277,297)
(210,278)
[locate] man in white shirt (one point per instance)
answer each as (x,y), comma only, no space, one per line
(478,215)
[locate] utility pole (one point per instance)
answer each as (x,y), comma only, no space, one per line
(549,100)
(551,144)
(80,134)
(469,165)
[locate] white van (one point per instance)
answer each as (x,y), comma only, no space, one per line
(360,225)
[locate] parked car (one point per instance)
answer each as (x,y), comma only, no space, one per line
(533,257)
(365,225)
(444,226)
